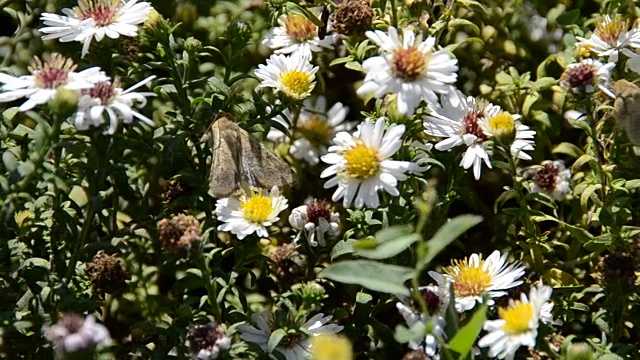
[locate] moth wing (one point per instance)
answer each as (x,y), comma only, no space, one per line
(263,168)
(224,177)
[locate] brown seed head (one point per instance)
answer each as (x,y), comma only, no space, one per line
(352,17)
(179,233)
(107,273)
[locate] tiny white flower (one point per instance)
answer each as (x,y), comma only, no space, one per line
(75,332)
(314,128)
(472,277)
(317,219)
(437,300)
(111,100)
(296,33)
(95,19)
(361,164)
(250,213)
(518,323)
(413,69)
(553,179)
(473,122)
(610,37)
(298,346)
(292,75)
(46,77)
(585,76)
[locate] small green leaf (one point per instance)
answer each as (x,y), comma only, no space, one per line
(463,22)
(568,18)
(342,248)
(275,339)
(567,149)
(466,337)
(371,274)
(447,234)
(417,331)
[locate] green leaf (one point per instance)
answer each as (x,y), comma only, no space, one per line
(567,149)
(463,22)
(372,275)
(632,184)
(610,357)
(504,197)
(529,100)
(466,337)
(447,234)
(417,331)
(568,18)
(275,339)
(342,248)
(590,193)
(389,243)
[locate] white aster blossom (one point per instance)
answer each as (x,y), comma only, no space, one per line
(586,75)
(472,277)
(360,164)
(292,75)
(551,178)
(206,342)
(317,219)
(250,213)
(518,323)
(74,333)
(95,19)
(45,79)
(437,300)
(110,100)
(413,69)
(611,36)
(296,33)
(313,128)
(472,123)
(298,345)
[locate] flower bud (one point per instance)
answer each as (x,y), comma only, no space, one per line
(65,102)
(239,34)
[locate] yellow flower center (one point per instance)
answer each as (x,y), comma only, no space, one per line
(503,126)
(584,51)
(362,162)
(300,28)
(331,347)
(609,31)
(257,208)
(317,130)
(297,84)
(409,63)
(517,317)
(469,281)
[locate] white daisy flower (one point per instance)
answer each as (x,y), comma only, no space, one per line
(250,213)
(317,219)
(472,277)
(552,178)
(111,100)
(610,37)
(413,69)
(295,346)
(585,76)
(361,164)
(473,122)
(314,128)
(46,77)
(437,301)
(518,323)
(75,332)
(95,19)
(293,75)
(296,33)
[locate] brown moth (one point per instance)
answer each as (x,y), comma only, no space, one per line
(627,106)
(240,159)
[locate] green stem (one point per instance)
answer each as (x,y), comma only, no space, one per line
(211,286)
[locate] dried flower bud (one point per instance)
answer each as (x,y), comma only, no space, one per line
(616,271)
(207,341)
(107,273)
(287,261)
(174,189)
(179,233)
(415,355)
(353,17)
